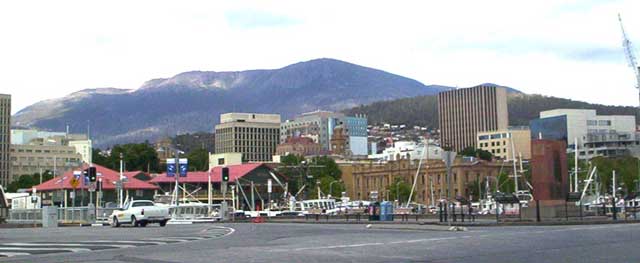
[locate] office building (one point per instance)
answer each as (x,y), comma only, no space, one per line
(320,126)
(498,143)
(253,135)
(5,139)
(36,158)
(408,150)
(224,159)
(364,180)
(84,148)
(597,135)
(465,112)
(300,146)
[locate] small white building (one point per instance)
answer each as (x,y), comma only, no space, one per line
(410,149)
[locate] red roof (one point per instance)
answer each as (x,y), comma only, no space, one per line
(109,177)
(235,171)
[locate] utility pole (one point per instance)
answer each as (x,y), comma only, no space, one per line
(209,190)
(121,185)
(515,171)
(575,170)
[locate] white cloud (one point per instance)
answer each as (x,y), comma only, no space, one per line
(561,48)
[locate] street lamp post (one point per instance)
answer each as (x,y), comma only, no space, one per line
(398,192)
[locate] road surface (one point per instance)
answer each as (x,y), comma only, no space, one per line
(321,243)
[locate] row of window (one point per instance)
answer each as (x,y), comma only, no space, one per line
(42,151)
(50,159)
(493,144)
(598,122)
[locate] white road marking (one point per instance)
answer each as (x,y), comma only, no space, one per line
(72,249)
(126,242)
(167,239)
(65,245)
(13,254)
(377,244)
(340,246)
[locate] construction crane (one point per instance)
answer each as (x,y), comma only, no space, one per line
(629,52)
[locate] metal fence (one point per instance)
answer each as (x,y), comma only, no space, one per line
(65,215)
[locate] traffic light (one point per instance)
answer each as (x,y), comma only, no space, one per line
(92,174)
(225,174)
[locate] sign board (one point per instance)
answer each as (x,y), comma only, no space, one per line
(269,186)
(171,167)
(184,166)
(448,158)
(74,182)
(72,195)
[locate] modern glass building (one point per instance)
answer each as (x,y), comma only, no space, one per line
(551,128)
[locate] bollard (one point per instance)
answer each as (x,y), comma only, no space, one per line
(537,210)
(446,214)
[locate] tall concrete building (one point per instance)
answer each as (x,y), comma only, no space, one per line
(253,135)
(36,158)
(5,138)
(465,112)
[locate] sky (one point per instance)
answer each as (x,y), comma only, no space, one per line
(569,49)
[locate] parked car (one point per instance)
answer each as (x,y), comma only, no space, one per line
(139,213)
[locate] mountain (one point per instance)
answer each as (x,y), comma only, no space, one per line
(423,110)
(192,101)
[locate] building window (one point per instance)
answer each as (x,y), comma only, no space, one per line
(139,193)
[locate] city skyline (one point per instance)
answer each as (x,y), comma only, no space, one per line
(569,49)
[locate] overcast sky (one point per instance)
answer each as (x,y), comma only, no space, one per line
(569,49)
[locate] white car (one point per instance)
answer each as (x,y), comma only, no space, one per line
(139,213)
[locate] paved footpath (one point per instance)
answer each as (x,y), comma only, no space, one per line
(273,242)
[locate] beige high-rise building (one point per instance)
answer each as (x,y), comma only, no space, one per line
(499,143)
(465,112)
(5,138)
(36,158)
(253,135)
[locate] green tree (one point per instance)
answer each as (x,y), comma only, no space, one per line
(27,181)
(505,183)
(136,156)
(626,168)
(328,167)
(99,159)
(198,160)
(478,153)
(400,189)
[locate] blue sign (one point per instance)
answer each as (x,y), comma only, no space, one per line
(171,167)
(183,167)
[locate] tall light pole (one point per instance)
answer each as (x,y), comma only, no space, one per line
(398,192)
(120,191)
(331,186)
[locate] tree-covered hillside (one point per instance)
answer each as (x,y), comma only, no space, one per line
(423,110)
